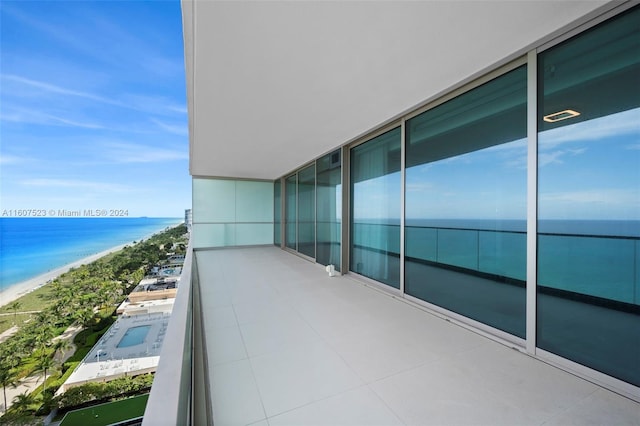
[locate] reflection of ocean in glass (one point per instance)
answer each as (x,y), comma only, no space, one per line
(596,258)
(31,247)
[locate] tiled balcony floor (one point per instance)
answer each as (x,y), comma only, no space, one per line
(288,345)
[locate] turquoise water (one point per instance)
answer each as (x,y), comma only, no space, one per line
(33,246)
(595,258)
(134,336)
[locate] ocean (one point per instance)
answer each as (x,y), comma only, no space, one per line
(34,246)
(598,258)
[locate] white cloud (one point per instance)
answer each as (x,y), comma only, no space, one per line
(625,122)
(157,105)
(182,109)
(6,159)
(555,157)
(72,123)
(47,87)
(419,186)
(31,116)
(178,129)
(595,196)
(520,162)
(137,102)
(134,153)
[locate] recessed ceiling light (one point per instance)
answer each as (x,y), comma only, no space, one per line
(560,115)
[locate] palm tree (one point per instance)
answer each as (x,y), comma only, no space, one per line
(45,333)
(22,402)
(85,317)
(60,347)
(14,306)
(45,363)
(10,360)
(7,378)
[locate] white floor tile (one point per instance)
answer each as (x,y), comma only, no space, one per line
(300,374)
(600,408)
(258,311)
(356,407)
(236,400)
(224,345)
(539,389)
(375,354)
(220,317)
(332,317)
(289,345)
(443,393)
(271,335)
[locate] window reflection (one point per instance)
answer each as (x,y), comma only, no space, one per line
(307,211)
(465,246)
(375,208)
(329,207)
(291,211)
(589,199)
(277,213)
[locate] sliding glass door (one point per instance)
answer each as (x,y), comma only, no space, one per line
(307,211)
(466,204)
(588,288)
(277,213)
(375,208)
(329,209)
(291,212)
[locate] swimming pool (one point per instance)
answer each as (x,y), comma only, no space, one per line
(134,336)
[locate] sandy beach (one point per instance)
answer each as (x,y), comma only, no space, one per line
(18,290)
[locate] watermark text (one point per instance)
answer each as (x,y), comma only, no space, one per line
(65,213)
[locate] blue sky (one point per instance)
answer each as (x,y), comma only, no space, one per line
(93,107)
(588,171)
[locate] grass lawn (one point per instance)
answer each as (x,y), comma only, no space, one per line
(106,414)
(8,321)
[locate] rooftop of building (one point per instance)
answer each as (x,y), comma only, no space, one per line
(114,357)
(157,283)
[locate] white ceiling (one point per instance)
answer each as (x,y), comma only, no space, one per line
(274,84)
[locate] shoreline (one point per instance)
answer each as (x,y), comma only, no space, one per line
(22,288)
(18,290)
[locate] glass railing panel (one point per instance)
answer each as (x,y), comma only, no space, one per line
(458,247)
(247,234)
(376,252)
(422,242)
(328,243)
(503,254)
(477,273)
(595,266)
(498,253)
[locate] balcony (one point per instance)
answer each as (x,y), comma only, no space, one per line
(276,341)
